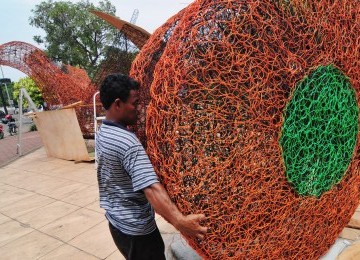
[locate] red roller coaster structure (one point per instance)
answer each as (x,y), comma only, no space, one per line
(60,86)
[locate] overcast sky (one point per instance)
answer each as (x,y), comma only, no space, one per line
(14,19)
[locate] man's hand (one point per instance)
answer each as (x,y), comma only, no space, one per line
(190,225)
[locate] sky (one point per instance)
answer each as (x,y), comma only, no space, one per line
(14,20)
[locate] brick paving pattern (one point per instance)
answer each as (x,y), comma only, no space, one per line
(8,146)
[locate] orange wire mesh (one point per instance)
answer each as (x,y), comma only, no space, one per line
(58,86)
(143,69)
(219,86)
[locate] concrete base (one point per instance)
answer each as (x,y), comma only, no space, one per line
(182,251)
(339,245)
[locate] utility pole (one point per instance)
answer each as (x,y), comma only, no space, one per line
(134,16)
(133,20)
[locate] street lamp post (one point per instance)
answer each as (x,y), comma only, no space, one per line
(3,98)
(8,96)
(4,82)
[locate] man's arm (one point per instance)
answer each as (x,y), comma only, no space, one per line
(189,225)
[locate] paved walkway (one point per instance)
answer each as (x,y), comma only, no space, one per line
(49,209)
(8,146)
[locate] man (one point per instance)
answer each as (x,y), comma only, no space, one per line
(129,187)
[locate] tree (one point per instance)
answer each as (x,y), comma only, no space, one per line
(31,88)
(117,61)
(74,36)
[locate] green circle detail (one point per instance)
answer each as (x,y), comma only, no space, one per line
(319,132)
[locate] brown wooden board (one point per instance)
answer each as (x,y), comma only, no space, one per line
(355,220)
(351,253)
(136,34)
(350,234)
(61,135)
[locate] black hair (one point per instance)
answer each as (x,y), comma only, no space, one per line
(116,86)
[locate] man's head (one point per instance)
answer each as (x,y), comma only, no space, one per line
(119,96)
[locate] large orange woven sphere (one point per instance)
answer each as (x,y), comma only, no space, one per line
(232,91)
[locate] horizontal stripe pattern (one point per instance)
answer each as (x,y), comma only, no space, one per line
(123,171)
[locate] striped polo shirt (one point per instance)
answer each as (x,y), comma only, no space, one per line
(124,170)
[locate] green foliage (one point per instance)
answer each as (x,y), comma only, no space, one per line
(117,61)
(31,88)
(33,128)
(74,36)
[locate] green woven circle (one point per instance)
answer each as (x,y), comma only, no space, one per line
(319,131)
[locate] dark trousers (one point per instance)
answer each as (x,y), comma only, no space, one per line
(146,247)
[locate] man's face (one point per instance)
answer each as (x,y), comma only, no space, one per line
(128,109)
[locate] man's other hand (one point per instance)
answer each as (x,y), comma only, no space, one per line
(190,225)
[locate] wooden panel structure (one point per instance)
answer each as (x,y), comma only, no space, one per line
(61,135)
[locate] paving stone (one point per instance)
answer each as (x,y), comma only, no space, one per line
(97,241)
(12,230)
(30,246)
(47,214)
(69,253)
(73,224)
